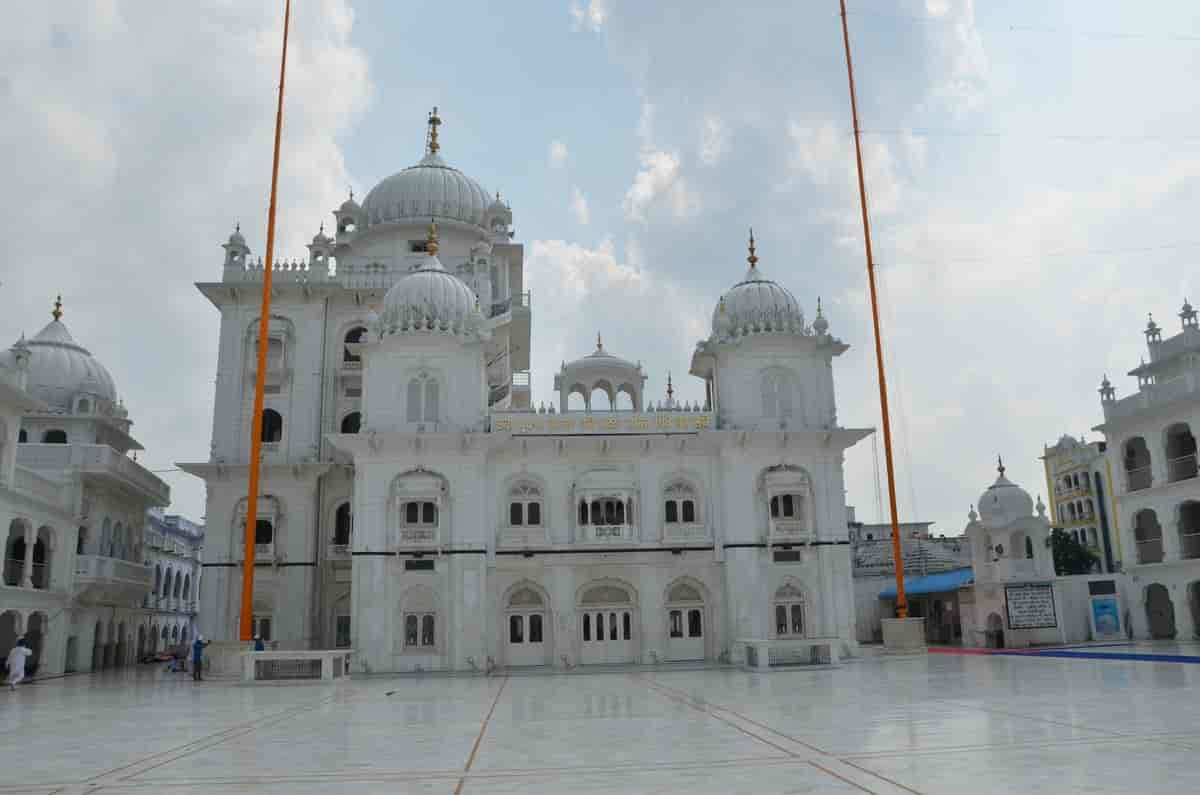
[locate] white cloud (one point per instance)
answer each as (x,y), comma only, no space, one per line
(964,68)
(714,139)
(579,208)
(134,157)
(590,17)
(659,180)
(580,290)
(558,153)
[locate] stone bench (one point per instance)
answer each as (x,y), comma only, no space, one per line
(325,665)
(762,654)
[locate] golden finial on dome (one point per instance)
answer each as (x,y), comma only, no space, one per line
(434,121)
(431,242)
(753,258)
(57,313)
(670,388)
(1000,465)
(599,343)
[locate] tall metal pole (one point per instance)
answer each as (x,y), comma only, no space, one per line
(245,623)
(897,550)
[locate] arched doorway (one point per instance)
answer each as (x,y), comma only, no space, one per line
(1194,602)
(526,627)
(10,629)
(153,639)
(141,642)
(685,622)
(606,619)
(995,631)
(98,646)
(122,646)
(110,647)
(35,638)
(1160,613)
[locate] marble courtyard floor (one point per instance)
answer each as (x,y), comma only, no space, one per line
(940,725)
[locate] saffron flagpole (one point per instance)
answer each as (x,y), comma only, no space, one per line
(246,617)
(897,550)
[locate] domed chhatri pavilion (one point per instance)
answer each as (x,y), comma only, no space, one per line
(417,506)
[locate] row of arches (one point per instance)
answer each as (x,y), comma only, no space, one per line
(114,644)
(1148,533)
(1178,447)
(173,582)
(49,436)
(28,555)
(1161,618)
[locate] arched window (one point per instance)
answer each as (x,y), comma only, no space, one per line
(264,532)
(418,513)
(1137,464)
(353,336)
(1147,533)
(352,422)
(54,436)
(272,426)
(166,588)
(186,591)
(342,525)
(789,612)
(419,612)
(1181,452)
(422,399)
(679,503)
(777,393)
(525,505)
(1028,547)
(81,541)
(1189,530)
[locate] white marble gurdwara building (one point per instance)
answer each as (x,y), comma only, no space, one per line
(415,507)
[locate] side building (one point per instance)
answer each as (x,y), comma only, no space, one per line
(1079,482)
(73,508)
(1152,453)
(171,544)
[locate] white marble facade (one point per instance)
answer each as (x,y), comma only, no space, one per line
(73,508)
(416,507)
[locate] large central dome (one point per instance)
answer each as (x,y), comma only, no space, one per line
(430,188)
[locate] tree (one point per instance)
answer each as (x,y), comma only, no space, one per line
(1070,556)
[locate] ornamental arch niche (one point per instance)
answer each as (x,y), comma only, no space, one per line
(689,620)
(607,621)
(786,501)
(1160,612)
(418,507)
(527,625)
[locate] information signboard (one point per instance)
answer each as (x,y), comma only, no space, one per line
(1030,606)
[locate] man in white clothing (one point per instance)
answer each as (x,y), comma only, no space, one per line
(16,663)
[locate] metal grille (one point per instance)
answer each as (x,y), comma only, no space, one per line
(287,669)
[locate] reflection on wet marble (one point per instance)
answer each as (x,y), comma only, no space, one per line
(933,725)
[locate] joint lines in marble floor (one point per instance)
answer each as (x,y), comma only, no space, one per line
(479,738)
(824,761)
(141,766)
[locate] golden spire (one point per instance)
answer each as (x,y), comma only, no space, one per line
(431,242)
(57,313)
(753,258)
(599,344)
(1000,465)
(670,388)
(434,121)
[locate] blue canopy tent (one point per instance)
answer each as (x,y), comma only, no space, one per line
(942,582)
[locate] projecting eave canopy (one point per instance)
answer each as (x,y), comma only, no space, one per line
(222,294)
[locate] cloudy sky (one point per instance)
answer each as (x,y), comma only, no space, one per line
(1032,173)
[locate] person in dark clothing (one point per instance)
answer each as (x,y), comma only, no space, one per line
(198,656)
(259,645)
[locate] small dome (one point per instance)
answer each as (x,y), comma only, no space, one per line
(430,299)
(430,188)
(236,238)
(602,359)
(350,207)
(1004,502)
(757,304)
(60,369)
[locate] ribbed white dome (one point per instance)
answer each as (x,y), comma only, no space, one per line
(1004,502)
(757,304)
(430,188)
(430,299)
(60,369)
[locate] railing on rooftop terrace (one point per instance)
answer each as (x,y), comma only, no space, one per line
(1181,468)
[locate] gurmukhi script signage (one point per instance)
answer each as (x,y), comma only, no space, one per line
(603,422)
(1030,606)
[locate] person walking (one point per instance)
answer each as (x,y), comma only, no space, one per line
(198,657)
(259,645)
(16,663)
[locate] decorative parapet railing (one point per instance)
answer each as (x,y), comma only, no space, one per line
(602,422)
(606,533)
(684,532)
(100,568)
(1152,396)
(96,459)
(407,537)
(284,271)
